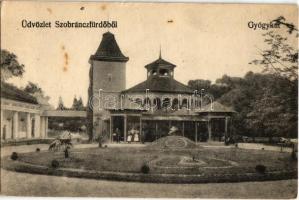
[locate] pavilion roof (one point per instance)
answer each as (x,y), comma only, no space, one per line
(161,84)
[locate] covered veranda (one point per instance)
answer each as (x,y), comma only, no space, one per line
(199,126)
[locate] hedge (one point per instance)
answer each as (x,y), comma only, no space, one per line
(152,178)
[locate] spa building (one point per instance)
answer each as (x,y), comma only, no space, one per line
(156,107)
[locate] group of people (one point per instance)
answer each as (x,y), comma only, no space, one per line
(132,136)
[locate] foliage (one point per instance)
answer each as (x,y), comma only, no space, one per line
(279,57)
(260,169)
(266,105)
(145,169)
(294,155)
(74,124)
(78,104)
(33,88)
(205,87)
(55,164)
(14,156)
(10,67)
(60,104)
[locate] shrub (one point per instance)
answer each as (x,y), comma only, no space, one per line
(105,146)
(260,169)
(37,149)
(293,155)
(55,164)
(14,156)
(145,169)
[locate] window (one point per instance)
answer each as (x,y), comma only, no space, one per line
(163,72)
(109,77)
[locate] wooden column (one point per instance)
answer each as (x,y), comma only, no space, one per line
(225,129)
(156,130)
(46,127)
(125,129)
(3,132)
(111,125)
(196,132)
(183,128)
(1,121)
(210,129)
(140,130)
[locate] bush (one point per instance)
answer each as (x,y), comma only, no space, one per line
(14,156)
(145,169)
(260,169)
(37,149)
(293,155)
(55,164)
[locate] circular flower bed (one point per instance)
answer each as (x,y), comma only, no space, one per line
(160,165)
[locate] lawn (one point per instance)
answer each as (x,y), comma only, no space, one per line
(205,161)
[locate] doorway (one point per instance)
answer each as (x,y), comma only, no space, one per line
(118,133)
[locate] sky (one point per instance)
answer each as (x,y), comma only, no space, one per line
(205,41)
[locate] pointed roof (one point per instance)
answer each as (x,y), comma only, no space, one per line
(109,50)
(159,62)
(161,84)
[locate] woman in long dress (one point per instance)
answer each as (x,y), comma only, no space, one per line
(129,139)
(136,136)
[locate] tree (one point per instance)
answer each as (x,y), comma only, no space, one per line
(38,93)
(276,110)
(78,104)
(33,88)
(216,90)
(279,57)
(75,103)
(199,84)
(10,66)
(60,104)
(269,116)
(265,105)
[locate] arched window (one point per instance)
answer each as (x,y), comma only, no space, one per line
(166,103)
(147,102)
(138,101)
(157,103)
(175,104)
(185,103)
(154,72)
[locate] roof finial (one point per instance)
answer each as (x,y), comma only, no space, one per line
(108,22)
(160,54)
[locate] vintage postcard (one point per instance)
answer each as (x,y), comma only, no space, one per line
(160,100)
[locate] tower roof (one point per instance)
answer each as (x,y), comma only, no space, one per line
(159,62)
(109,50)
